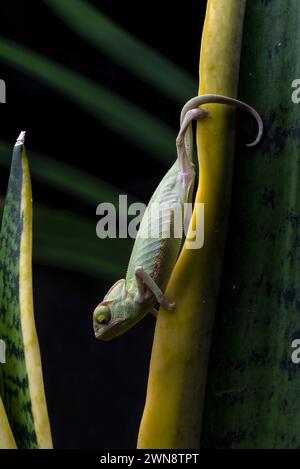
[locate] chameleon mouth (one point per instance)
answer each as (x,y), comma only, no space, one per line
(106,331)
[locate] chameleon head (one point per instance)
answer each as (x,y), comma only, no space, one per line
(109,316)
(105,324)
(109,319)
(116,313)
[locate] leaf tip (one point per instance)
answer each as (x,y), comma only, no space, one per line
(21,138)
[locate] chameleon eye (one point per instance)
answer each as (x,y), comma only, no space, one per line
(102,314)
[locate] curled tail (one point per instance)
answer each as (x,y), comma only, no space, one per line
(218,99)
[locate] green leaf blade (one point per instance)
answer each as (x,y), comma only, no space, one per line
(23,393)
(151,66)
(126,119)
(253,398)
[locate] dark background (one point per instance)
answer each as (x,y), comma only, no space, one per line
(95,391)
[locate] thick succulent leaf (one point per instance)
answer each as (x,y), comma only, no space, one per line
(23,389)
(7,440)
(253,396)
(178,368)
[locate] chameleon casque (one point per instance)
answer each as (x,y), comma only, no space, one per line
(153,258)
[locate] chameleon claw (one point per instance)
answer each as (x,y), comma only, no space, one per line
(165,303)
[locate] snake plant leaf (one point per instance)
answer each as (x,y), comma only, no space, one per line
(7,440)
(178,368)
(253,394)
(23,389)
(144,130)
(102,32)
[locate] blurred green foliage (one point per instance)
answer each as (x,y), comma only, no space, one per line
(61,238)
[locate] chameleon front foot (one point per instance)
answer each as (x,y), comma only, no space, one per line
(165,303)
(147,285)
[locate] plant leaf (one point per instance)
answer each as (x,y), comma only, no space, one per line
(179,360)
(126,119)
(23,394)
(127,50)
(253,398)
(7,440)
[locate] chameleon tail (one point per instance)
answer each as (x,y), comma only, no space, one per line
(186,130)
(219,99)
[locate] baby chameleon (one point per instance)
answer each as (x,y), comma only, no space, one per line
(153,258)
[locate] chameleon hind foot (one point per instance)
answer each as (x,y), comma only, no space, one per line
(185,164)
(144,280)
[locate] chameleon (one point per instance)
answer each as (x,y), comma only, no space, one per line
(153,258)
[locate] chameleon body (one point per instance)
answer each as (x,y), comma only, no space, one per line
(153,258)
